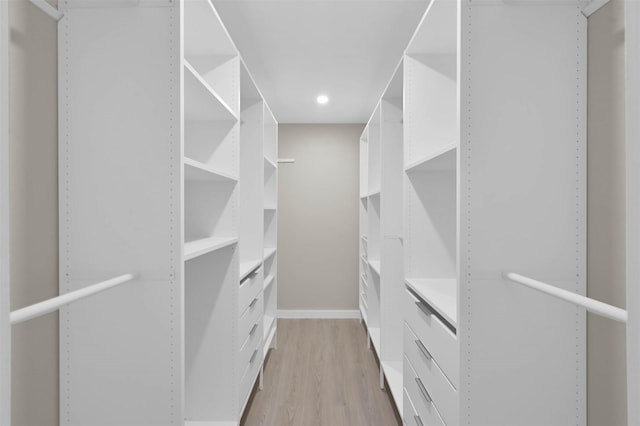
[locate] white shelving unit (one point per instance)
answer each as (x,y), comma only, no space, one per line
(489,103)
(164,175)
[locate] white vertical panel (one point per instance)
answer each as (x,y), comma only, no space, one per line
(5,286)
(522,208)
(632,40)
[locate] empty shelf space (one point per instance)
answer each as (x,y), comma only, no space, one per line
(201,101)
(443,159)
(393,373)
(248,267)
(441,294)
(268,252)
(375,266)
(270,162)
(268,281)
(195,248)
(196,171)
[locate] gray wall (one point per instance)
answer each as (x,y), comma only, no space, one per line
(33,142)
(606,215)
(318,216)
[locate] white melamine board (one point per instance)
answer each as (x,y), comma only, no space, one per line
(270,186)
(211,283)
(393,373)
(201,101)
(632,40)
(123,347)
(374,334)
(200,172)
(373,222)
(221,76)
(437,33)
(373,152)
(268,341)
(249,266)
(431,120)
(430,225)
(443,159)
(269,252)
(522,191)
(270,228)
(195,248)
(214,143)
(210,210)
(440,294)
(268,281)
(364,180)
(373,302)
(251,180)
(5,284)
(270,137)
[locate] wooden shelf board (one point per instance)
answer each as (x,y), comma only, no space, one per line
(195,171)
(443,159)
(199,247)
(393,372)
(268,252)
(441,294)
(201,101)
(248,266)
(268,281)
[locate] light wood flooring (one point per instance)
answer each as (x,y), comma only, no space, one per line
(321,374)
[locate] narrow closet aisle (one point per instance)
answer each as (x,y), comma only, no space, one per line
(321,374)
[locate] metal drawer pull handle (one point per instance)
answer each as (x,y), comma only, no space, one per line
(423,390)
(253,356)
(258,269)
(253,302)
(253,329)
(418,420)
(423,308)
(424,350)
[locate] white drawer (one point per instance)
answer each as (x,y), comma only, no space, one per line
(250,320)
(436,337)
(409,413)
(250,373)
(419,396)
(249,345)
(249,289)
(443,393)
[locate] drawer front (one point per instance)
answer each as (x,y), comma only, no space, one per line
(250,373)
(443,393)
(250,320)
(409,413)
(436,337)
(424,407)
(249,345)
(249,289)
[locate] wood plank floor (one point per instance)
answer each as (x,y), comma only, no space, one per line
(321,374)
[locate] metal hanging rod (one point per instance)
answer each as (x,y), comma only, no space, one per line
(55,303)
(591,305)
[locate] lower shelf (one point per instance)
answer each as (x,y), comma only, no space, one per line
(393,373)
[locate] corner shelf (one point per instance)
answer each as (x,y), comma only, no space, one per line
(440,293)
(443,159)
(195,171)
(201,101)
(199,247)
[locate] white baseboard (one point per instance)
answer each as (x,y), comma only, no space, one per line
(329,314)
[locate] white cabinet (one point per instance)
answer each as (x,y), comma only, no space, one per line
(163,141)
(492,175)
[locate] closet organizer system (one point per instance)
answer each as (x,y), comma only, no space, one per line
(168,173)
(473,165)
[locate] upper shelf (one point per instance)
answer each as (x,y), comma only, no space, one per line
(443,159)
(201,101)
(440,294)
(199,247)
(196,171)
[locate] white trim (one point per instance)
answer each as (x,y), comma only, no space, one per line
(318,314)
(632,90)
(5,287)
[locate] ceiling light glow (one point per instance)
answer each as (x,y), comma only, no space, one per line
(322,99)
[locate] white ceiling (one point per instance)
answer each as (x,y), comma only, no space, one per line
(298,49)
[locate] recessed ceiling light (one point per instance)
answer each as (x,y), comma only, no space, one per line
(322,99)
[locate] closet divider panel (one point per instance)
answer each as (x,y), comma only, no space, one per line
(363,282)
(522,209)
(270,142)
(120,156)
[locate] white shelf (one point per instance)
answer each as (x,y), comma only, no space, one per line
(201,101)
(268,281)
(195,248)
(443,159)
(393,373)
(440,294)
(374,193)
(268,252)
(248,266)
(195,171)
(374,333)
(270,209)
(270,162)
(375,266)
(270,333)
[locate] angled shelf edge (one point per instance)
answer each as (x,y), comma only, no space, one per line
(440,293)
(199,247)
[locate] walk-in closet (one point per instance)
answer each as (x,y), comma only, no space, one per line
(319,212)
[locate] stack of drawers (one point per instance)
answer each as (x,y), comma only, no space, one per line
(250,332)
(430,366)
